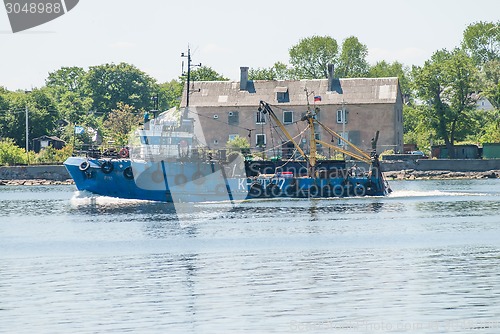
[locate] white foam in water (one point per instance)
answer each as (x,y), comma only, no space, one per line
(431,193)
(82,198)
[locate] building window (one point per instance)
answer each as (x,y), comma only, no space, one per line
(260,139)
(260,118)
(342,116)
(233,118)
(282,94)
(231,137)
(287,117)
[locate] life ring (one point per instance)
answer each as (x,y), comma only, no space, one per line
(128,173)
(273,190)
(107,166)
(123,153)
(180,179)
(84,165)
(198,178)
(359,190)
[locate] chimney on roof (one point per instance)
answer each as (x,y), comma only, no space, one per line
(243,78)
(330,77)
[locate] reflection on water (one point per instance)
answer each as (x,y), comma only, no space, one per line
(423,260)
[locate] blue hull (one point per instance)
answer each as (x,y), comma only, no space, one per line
(190,181)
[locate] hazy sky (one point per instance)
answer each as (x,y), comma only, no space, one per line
(227,34)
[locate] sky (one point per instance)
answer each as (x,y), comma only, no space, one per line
(227,34)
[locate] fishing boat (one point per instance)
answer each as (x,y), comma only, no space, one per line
(165,162)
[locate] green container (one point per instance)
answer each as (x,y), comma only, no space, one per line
(491,151)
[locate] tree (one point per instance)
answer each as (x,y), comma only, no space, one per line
(383,69)
(110,84)
(279,71)
(170,94)
(204,73)
(10,153)
(121,122)
(311,56)
(490,82)
(66,79)
(352,61)
(481,41)
(445,83)
(42,115)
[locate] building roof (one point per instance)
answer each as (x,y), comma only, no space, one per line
(45,137)
(351,91)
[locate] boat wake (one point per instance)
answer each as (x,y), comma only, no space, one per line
(85,198)
(431,193)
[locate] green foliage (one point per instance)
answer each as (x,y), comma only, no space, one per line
(311,56)
(383,69)
(10,153)
(417,127)
(238,144)
(481,41)
(50,155)
(120,123)
(170,94)
(490,82)
(352,61)
(108,85)
(445,83)
(278,71)
(204,73)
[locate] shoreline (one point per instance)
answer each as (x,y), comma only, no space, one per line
(35,182)
(412,174)
(402,175)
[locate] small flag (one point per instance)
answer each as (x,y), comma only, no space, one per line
(79,130)
(317,98)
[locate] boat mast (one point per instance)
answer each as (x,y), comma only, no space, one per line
(310,121)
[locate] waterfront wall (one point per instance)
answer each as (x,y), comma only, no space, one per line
(452,165)
(48,172)
(59,172)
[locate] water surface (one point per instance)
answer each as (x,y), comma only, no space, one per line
(423,260)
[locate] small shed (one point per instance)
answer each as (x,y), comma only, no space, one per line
(46,141)
(461,152)
(491,151)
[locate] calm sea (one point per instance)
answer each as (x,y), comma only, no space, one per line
(425,259)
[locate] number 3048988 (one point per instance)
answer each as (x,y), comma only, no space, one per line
(34,8)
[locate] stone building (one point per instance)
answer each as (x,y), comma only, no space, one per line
(354,108)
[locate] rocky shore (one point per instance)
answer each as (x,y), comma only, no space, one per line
(36,182)
(411,174)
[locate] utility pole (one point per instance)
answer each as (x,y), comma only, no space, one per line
(188,56)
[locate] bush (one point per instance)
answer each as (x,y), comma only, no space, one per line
(50,155)
(10,153)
